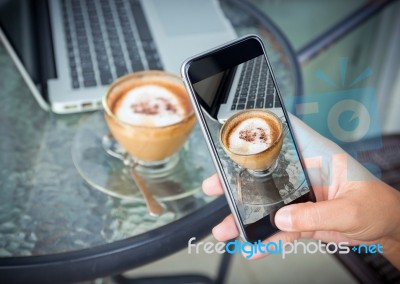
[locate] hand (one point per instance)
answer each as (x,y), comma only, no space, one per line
(352,206)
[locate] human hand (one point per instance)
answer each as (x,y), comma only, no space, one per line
(352,206)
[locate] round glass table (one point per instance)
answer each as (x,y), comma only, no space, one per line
(57,226)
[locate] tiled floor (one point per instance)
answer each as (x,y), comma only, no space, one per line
(317,268)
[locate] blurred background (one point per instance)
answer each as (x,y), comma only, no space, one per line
(373,44)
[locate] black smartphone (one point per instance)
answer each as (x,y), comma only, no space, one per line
(231,87)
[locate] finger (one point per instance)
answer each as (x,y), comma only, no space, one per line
(212,186)
(284,237)
(333,215)
(226,230)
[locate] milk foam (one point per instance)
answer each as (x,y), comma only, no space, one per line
(150,105)
(250,136)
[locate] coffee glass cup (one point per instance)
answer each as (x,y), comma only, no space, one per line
(152,143)
(259,163)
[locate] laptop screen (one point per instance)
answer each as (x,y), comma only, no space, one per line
(17,22)
(26,26)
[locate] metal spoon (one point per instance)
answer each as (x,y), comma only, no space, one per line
(115,150)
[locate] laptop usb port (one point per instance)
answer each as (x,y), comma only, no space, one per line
(70,107)
(87,105)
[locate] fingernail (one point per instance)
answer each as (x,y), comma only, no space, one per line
(216,230)
(283,219)
(206,181)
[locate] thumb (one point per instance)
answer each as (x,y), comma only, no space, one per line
(331,215)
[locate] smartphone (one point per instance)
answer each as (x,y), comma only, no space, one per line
(228,81)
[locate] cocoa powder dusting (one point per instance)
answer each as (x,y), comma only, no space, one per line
(154,107)
(251,134)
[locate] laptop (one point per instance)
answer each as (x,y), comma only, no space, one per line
(69,51)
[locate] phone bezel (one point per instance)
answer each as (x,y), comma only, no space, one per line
(187,75)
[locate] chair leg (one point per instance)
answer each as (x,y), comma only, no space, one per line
(226,259)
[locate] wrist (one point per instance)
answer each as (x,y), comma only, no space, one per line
(391,251)
(391,242)
(396,220)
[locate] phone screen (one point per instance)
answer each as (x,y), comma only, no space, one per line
(229,80)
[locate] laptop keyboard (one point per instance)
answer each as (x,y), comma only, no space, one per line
(256,87)
(107,39)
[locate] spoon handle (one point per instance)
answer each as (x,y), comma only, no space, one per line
(154,207)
